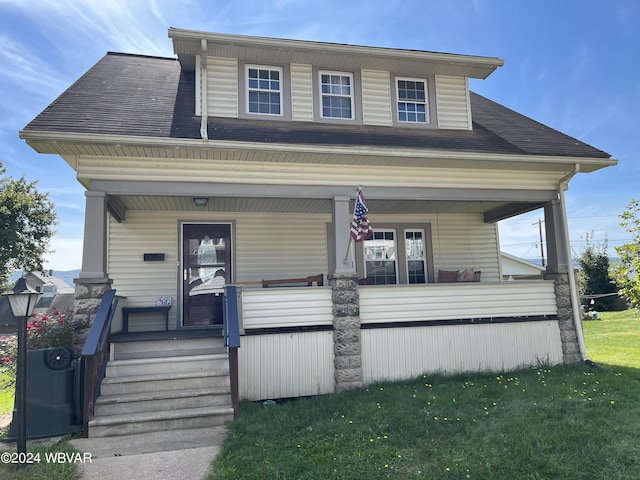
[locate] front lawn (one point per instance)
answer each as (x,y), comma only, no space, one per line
(614,339)
(543,423)
(565,422)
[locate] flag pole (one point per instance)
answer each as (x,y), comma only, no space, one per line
(350,240)
(346,257)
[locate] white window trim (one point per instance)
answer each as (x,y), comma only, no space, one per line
(396,261)
(351,96)
(426,101)
(247,89)
(424,253)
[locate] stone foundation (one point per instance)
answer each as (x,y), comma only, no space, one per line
(346,332)
(88,295)
(568,335)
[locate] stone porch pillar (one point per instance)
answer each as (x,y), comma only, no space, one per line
(558,270)
(346,332)
(346,300)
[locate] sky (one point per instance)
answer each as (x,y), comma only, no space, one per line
(572,65)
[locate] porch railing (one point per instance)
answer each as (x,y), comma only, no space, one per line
(448,301)
(231,334)
(95,355)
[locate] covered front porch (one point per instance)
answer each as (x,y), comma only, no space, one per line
(299,341)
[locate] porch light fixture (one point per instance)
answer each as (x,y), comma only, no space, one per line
(22,299)
(200,202)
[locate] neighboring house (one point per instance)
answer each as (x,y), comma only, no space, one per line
(57,295)
(516,268)
(239,161)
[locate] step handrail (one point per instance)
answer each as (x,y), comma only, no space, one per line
(95,355)
(231,335)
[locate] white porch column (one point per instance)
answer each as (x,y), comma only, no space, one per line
(342,248)
(94,249)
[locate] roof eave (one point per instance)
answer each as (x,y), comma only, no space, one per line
(35,139)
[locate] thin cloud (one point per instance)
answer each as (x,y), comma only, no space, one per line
(23,69)
(120,25)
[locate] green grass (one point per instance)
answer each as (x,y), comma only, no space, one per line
(614,340)
(7,390)
(41,469)
(6,400)
(566,422)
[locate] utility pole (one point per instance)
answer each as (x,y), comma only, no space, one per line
(539,222)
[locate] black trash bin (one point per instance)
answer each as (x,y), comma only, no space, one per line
(52,394)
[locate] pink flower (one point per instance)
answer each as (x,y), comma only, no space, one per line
(61,320)
(56,313)
(40,329)
(6,359)
(29,325)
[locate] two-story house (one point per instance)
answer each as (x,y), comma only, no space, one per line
(239,161)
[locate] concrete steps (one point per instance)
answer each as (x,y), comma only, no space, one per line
(164,400)
(181,363)
(159,421)
(160,385)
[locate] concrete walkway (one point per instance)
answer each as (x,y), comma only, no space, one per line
(169,455)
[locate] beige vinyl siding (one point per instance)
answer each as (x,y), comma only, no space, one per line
(286,307)
(286,173)
(417,303)
(301,93)
(376,97)
(273,245)
(466,241)
(222,87)
(139,281)
(286,365)
(404,353)
(452,100)
(459,241)
(267,246)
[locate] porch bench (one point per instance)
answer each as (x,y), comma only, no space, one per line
(126,311)
(318,279)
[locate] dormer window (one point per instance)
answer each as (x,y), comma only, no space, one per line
(336,95)
(264,90)
(412,100)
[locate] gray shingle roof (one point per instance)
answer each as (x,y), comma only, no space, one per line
(151,97)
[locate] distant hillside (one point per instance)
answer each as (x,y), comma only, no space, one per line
(67,275)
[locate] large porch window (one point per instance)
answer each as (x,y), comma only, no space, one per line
(397,254)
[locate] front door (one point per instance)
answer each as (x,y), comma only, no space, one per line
(206,269)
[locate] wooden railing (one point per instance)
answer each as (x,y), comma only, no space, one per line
(231,334)
(95,355)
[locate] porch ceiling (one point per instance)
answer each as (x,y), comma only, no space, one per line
(310,205)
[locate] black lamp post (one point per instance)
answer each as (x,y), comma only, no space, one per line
(22,300)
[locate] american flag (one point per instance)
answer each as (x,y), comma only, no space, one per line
(360,228)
